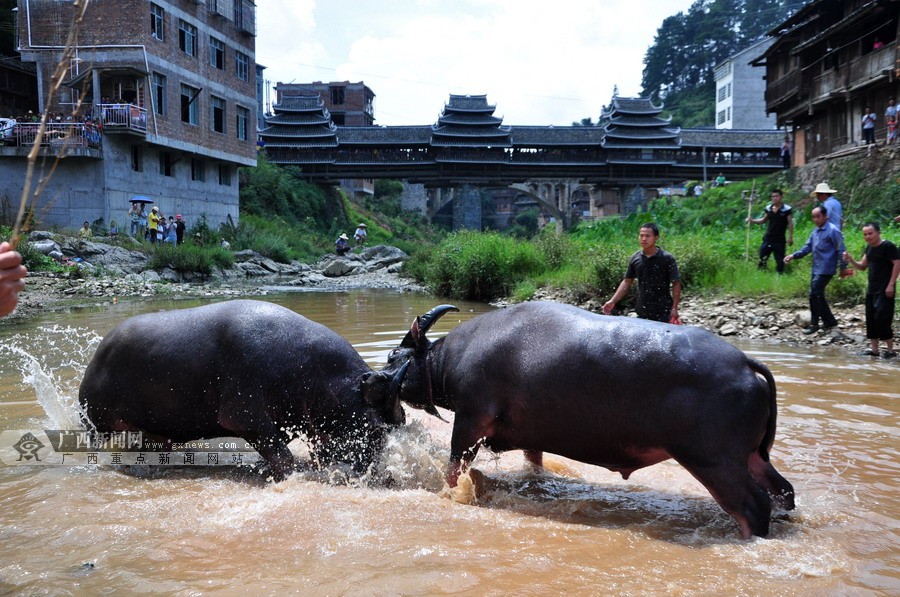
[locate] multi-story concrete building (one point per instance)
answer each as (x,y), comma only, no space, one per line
(741,91)
(159,99)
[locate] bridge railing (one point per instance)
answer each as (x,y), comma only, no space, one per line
(724,158)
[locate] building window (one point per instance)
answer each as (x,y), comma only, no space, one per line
(225,175)
(218,7)
(720,118)
(189,111)
(187,38)
(337,95)
(159,93)
(217,113)
(721,96)
(165,163)
(157,22)
(198,170)
(242,66)
(728,114)
(216,53)
(137,158)
(729,89)
(243,121)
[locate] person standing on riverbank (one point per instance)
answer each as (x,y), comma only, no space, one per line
(826,243)
(12,278)
(134,216)
(780,221)
(655,270)
(179,229)
(153,220)
(882,259)
(825,196)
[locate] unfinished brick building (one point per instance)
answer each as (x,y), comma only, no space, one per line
(159,99)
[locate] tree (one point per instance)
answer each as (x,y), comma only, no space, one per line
(679,65)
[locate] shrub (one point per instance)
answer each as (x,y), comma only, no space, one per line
(189,257)
(481,266)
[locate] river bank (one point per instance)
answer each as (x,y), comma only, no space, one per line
(759,319)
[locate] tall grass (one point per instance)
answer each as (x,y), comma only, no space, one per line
(708,237)
(481,266)
(189,257)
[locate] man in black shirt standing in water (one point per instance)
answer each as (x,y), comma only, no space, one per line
(780,220)
(882,259)
(654,270)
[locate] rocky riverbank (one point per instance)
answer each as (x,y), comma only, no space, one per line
(115,273)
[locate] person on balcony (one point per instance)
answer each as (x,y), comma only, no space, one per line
(868,126)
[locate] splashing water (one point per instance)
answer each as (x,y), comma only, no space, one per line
(64,353)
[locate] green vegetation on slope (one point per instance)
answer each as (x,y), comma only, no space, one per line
(707,235)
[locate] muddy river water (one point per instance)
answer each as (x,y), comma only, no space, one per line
(573,528)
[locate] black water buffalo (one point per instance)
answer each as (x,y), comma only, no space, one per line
(610,391)
(245,369)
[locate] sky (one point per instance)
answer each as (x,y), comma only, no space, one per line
(540,62)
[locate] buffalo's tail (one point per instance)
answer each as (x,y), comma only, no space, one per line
(769,438)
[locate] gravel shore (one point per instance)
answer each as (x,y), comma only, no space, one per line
(735,317)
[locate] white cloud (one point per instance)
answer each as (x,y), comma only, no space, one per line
(539,62)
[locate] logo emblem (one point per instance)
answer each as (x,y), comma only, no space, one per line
(27,447)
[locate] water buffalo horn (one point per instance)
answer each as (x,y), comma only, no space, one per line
(431,409)
(424,324)
(394,388)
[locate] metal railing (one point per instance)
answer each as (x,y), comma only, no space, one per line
(123,116)
(65,134)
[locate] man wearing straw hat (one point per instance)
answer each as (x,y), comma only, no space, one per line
(341,245)
(825,195)
(360,235)
(12,278)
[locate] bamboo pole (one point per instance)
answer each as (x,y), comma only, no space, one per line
(749,214)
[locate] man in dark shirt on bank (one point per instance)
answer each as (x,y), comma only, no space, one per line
(780,220)
(882,259)
(655,270)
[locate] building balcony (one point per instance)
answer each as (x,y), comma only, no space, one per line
(66,139)
(783,89)
(123,118)
(854,75)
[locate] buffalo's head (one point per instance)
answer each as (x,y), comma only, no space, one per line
(359,434)
(412,357)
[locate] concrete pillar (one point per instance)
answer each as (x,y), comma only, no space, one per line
(467,208)
(414,198)
(634,199)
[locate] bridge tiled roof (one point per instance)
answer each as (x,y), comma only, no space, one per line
(300,103)
(639,134)
(295,118)
(468,103)
(377,135)
(470,119)
(536,136)
(641,121)
(305,132)
(731,138)
(299,143)
(631,105)
(479,132)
